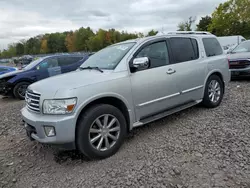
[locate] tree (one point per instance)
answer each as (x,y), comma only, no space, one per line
(82,36)
(152,33)
(231,18)
(19,49)
(187,25)
(44,46)
(204,23)
(56,43)
(33,46)
(70,42)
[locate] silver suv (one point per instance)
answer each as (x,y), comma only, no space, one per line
(124,86)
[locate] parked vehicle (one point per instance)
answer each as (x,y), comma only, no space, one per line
(124,86)
(239,60)
(6,69)
(25,60)
(15,83)
(230,42)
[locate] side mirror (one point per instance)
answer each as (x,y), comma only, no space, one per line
(141,63)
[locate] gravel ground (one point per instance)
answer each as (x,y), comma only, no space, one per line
(197,147)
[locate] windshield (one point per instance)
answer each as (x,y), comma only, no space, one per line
(109,57)
(242,47)
(33,63)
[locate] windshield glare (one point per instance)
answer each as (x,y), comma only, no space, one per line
(243,47)
(32,64)
(109,57)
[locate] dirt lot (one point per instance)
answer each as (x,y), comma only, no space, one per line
(195,148)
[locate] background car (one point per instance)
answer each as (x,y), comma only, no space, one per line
(6,69)
(15,83)
(239,60)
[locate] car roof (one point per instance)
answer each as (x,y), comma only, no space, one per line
(171,34)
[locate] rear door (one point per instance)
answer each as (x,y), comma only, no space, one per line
(69,63)
(189,68)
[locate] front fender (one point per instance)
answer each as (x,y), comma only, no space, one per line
(103,95)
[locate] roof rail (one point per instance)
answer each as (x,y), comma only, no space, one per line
(190,32)
(185,33)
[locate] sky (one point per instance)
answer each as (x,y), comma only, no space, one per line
(22,19)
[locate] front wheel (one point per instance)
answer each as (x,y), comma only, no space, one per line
(213,92)
(20,90)
(100,131)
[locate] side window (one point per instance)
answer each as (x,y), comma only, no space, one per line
(157,53)
(183,49)
(212,47)
(64,61)
(48,63)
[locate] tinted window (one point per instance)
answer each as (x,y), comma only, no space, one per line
(63,61)
(157,53)
(48,63)
(183,49)
(212,47)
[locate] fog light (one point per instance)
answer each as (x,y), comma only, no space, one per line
(49,131)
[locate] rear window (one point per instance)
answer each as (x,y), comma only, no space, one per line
(184,49)
(212,47)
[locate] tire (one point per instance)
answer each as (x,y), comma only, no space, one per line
(218,91)
(88,123)
(20,89)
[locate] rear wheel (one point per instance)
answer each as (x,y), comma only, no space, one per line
(100,131)
(213,92)
(20,90)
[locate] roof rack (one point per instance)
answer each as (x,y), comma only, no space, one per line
(186,33)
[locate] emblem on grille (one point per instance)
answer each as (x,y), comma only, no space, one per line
(28,100)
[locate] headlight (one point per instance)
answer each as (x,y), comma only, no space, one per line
(60,106)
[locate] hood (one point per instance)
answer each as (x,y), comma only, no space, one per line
(12,73)
(238,56)
(72,80)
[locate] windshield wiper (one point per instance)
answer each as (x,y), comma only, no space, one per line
(91,68)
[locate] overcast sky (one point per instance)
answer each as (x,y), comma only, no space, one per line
(21,19)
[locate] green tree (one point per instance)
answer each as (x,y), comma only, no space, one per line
(187,25)
(33,46)
(152,33)
(19,49)
(204,23)
(82,36)
(231,18)
(56,42)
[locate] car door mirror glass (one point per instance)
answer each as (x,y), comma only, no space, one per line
(141,63)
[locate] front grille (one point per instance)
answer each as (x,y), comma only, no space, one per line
(241,64)
(32,101)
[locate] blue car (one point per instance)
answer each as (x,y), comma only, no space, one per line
(5,69)
(16,82)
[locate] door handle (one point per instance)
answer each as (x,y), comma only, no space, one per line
(171,71)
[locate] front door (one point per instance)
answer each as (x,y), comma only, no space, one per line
(47,68)
(153,89)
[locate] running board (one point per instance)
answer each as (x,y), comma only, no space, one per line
(165,113)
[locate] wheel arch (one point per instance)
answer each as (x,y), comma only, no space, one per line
(113,100)
(217,73)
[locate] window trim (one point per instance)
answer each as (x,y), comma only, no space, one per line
(172,54)
(147,43)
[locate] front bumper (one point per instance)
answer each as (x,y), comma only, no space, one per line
(64,127)
(240,72)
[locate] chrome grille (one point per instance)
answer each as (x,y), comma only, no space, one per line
(32,101)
